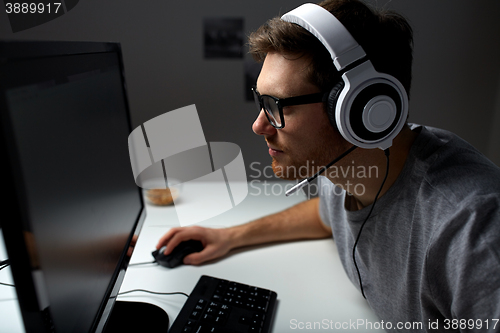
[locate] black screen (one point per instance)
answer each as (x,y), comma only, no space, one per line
(69,126)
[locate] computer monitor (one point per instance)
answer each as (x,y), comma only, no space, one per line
(71,208)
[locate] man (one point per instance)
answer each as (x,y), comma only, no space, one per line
(425,237)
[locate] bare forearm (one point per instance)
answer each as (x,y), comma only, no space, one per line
(298,222)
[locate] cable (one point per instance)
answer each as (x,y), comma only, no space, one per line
(142,263)
(3,264)
(306,181)
(366,219)
(152,292)
(148,291)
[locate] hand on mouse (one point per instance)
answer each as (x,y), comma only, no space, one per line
(216,242)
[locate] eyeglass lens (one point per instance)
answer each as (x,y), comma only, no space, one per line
(270,107)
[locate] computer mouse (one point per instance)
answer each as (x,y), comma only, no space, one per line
(175,257)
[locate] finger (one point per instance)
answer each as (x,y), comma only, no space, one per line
(166,237)
(134,240)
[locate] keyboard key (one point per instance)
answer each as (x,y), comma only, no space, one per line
(244,320)
(222,284)
(255,329)
(195,314)
(259,316)
(206,329)
(208,317)
(250,306)
(261,303)
(262,308)
(219,320)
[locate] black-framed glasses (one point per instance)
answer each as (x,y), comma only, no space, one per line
(273,106)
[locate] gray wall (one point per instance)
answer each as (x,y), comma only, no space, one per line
(456,70)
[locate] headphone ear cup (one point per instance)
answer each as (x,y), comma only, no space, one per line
(331,103)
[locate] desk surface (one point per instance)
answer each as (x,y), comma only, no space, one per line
(307,275)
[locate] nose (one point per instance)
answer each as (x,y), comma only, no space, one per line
(262,126)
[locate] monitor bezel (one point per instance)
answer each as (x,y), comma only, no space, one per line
(30,296)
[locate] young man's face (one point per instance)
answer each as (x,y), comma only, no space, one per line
(307,139)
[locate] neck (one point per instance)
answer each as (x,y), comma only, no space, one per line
(368,168)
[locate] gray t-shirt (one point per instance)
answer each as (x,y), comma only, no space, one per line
(430,251)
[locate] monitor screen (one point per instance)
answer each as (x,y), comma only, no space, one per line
(73,204)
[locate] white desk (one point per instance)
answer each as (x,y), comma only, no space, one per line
(307,275)
(10,315)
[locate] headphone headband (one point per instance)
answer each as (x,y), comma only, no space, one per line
(330,31)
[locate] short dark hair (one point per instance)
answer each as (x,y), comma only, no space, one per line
(385,35)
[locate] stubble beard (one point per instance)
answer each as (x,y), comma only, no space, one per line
(292,167)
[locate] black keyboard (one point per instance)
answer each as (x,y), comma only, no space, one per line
(221,306)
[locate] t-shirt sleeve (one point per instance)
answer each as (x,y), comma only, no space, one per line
(324,197)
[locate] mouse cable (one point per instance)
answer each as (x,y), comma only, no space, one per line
(4,263)
(142,263)
(386,151)
(153,292)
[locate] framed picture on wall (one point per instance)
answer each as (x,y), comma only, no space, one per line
(223,38)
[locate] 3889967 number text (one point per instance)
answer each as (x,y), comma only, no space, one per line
(32,8)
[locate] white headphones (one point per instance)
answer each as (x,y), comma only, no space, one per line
(368,107)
